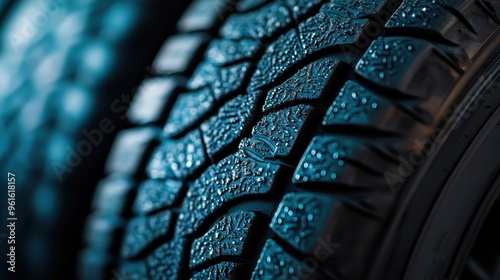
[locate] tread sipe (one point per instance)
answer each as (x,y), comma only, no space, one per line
(274,158)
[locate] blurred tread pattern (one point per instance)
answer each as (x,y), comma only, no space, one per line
(141,231)
(153,195)
(223,52)
(178,159)
(176,54)
(222,80)
(262,23)
(202,15)
(189,108)
(131,150)
(151,100)
(113,195)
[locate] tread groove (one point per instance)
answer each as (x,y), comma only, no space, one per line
(360,131)
(460,17)
(300,256)
(419,33)
(156,243)
(391,95)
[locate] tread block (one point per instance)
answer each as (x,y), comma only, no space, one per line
(307,84)
(131,150)
(387,60)
(164,263)
(321,227)
(178,53)
(94,265)
(275,135)
(203,15)
(222,51)
(301,7)
(356,8)
(230,80)
(177,159)
(103,231)
(151,100)
(278,58)
(229,237)
(118,21)
(467,24)
(221,271)
(153,195)
(332,26)
(62,108)
(357,105)
(92,63)
(187,110)
(481,22)
(354,105)
(259,24)
(299,218)
(222,80)
(341,160)
(143,230)
(427,14)
(275,263)
(113,195)
(235,177)
(231,122)
(131,271)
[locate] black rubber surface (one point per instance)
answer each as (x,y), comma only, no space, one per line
(281,153)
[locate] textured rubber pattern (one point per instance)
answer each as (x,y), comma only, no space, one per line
(275,156)
(127,208)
